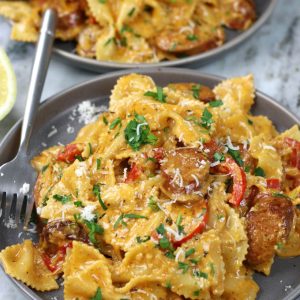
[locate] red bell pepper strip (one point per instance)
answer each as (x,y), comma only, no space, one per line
(239,180)
(273,183)
(197,230)
(52,263)
(158,153)
(295,155)
(69,154)
(133,174)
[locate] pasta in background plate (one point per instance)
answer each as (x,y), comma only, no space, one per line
(134,31)
(176,192)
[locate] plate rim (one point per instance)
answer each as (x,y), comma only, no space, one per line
(88,63)
(28,292)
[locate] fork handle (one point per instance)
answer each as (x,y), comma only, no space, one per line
(38,75)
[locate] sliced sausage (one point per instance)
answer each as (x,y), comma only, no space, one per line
(184,170)
(269,222)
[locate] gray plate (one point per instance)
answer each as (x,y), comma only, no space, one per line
(56,111)
(233,39)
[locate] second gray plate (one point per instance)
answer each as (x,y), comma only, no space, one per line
(233,38)
(57,115)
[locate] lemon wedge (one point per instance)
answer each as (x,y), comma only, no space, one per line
(8,85)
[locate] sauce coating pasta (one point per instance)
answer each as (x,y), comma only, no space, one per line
(168,195)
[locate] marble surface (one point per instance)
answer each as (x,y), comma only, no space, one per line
(272,55)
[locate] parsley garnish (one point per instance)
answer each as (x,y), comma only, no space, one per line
(212,269)
(192,37)
(164,243)
(200,274)
(170,255)
(115,122)
(151,159)
(219,156)
(161,229)
(63,199)
(183,266)
(250,122)
(280,195)
(97,193)
(196,293)
(178,223)
(196,91)
(206,119)
(78,204)
(44,168)
(153,204)
(247,169)
(144,239)
(235,154)
(127,216)
(79,157)
(158,95)
(105,121)
(94,228)
(98,295)
(259,172)
(216,103)
(98,162)
(137,133)
(189,252)
(102,1)
(90,148)
(279,245)
(131,12)
(168,284)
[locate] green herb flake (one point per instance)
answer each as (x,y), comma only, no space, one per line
(131,12)
(212,269)
(105,121)
(183,266)
(77,217)
(137,133)
(78,204)
(164,243)
(44,168)
(206,119)
(216,103)
(161,229)
(279,246)
(127,216)
(62,198)
(197,293)
(247,169)
(79,157)
(259,172)
(200,274)
(219,156)
(170,255)
(143,239)
(192,37)
(154,160)
(189,252)
(280,195)
(250,122)
(98,163)
(115,122)
(90,148)
(98,295)
(102,1)
(94,228)
(236,155)
(97,193)
(158,95)
(153,204)
(196,91)
(168,284)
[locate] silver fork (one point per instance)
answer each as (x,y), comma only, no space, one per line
(16,176)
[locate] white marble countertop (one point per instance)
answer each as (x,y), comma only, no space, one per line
(272,55)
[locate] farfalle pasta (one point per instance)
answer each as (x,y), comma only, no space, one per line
(176,192)
(134,31)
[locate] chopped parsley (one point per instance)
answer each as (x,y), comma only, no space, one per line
(279,246)
(168,284)
(259,172)
(90,148)
(44,168)
(212,269)
(216,103)
(62,198)
(170,255)
(158,95)
(131,12)
(102,1)
(183,266)
(161,229)
(94,228)
(115,122)
(192,37)
(206,119)
(154,160)
(189,252)
(197,293)
(164,243)
(153,204)
(78,204)
(280,195)
(247,169)
(250,122)
(196,91)
(127,216)
(219,156)
(97,193)
(200,274)
(178,223)
(144,239)
(98,295)
(105,121)
(236,155)
(137,133)
(98,162)
(79,157)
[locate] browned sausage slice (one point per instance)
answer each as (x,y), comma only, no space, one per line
(269,222)
(184,170)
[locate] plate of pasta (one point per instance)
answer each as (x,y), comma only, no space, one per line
(103,35)
(163,184)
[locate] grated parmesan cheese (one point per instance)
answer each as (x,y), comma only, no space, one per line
(179,253)
(87,212)
(25,188)
(52,132)
(230,145)
(88,112)
(70,129)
